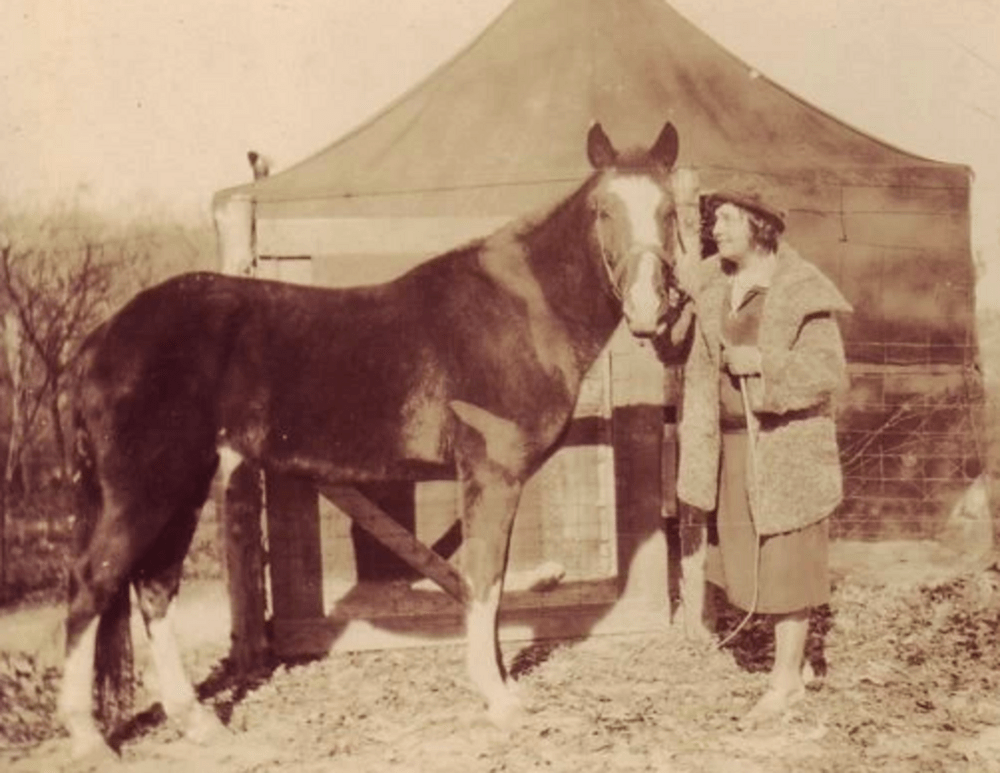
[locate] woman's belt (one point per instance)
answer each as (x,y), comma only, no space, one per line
(730,424)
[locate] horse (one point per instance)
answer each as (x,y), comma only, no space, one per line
(472,360)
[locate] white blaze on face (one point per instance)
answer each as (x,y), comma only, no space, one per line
(641,200)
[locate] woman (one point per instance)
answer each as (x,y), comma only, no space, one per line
(765,337)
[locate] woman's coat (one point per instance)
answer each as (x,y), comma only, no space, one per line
(798,476)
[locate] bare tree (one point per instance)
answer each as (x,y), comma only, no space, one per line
(62,272)
(53,300)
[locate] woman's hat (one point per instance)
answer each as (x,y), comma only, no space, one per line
(749,198)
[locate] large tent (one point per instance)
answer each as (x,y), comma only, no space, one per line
(499,130)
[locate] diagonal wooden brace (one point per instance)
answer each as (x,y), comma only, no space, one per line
(400,541)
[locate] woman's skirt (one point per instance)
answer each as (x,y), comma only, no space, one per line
(793,569)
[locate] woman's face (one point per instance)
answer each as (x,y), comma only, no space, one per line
(731,232)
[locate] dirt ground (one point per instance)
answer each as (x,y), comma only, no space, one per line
(908,680)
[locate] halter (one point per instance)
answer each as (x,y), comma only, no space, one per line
(616,272)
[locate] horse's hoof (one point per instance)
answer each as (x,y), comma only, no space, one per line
(514,690)
(203,726)
(506,712)
(91,752)
(696,630)
(698,634)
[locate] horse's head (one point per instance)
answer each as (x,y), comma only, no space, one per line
(635,228)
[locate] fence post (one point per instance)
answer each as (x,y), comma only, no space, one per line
(240,521)
(295,550)
(637,384)
(241,508)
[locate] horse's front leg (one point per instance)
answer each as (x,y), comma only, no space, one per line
(490,502)
(490,465)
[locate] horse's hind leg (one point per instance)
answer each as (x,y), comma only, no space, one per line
(98,588)
(75,704)
(156,581)
(156,600)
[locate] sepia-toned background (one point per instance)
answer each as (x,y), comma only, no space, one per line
(148,104)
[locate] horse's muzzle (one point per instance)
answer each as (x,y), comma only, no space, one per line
(648,302)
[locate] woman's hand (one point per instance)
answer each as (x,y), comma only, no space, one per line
(679,330)
(741,360)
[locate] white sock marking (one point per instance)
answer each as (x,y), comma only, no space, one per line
(175,688)
(480,632)
(75,696)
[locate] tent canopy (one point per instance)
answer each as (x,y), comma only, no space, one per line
(499,131)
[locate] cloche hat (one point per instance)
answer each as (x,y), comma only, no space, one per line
(749,197)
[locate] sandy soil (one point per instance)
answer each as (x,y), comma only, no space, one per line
(909,680)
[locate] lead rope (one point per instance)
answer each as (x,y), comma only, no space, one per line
(753,427)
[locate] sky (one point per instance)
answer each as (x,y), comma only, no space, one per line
(144,105)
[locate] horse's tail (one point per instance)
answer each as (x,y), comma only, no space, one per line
(114,670)
(114,674)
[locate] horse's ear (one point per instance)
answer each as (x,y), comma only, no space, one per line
(600,151)
(664,150)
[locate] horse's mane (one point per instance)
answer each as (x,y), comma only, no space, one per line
(519,229)
(631,160)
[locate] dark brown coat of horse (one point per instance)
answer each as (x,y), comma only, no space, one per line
(472,360)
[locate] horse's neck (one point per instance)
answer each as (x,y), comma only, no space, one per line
(571,276)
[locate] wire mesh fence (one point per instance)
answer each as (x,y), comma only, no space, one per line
(911,444)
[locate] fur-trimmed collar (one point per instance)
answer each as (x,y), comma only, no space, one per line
(792,270)
(798,290)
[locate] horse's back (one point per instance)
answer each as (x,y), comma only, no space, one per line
(355,380)
(144,401)
(164,336)
(280,372)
